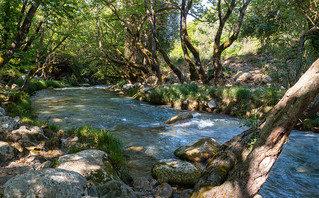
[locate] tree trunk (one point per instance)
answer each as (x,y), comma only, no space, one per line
(218,67)
(176,71)
(188,43)
(153,23)
(183,34)
(152,18)
(218,47)
(235,174)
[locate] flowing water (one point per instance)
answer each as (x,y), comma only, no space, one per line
(146,139)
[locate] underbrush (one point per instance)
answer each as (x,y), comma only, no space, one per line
(18,103)
(236,100)
(36,85)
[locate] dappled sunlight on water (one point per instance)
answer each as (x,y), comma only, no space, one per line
(146,139)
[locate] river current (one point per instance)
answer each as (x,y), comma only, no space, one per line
(146,139)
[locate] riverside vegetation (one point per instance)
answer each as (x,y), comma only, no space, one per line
(243,58)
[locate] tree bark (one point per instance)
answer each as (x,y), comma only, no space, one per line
(194,76)
(188,43)
(244,174)
(152,18)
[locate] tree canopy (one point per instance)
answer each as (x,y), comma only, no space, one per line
(104,40)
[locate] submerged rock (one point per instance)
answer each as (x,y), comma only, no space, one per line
(179,117)
(93,164)
(48,183)
(176,172)
(198,150)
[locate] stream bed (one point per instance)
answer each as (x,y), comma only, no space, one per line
(146,139)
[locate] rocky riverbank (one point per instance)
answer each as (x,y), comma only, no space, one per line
(40,157)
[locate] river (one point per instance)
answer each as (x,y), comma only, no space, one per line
(146,139)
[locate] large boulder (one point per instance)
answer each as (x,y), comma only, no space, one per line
(93,164)
(179,117)
(176,172)
(116,188)
(48,183)
(198,150)
(6,152)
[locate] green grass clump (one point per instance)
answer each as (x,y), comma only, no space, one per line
(120,83)
(103,140)
(132,91)
(36,85)
(18,104)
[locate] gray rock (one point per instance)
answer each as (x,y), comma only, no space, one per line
(186,193)
(28,136)
(116,189)
(17,120)
(46,183)
(243,77)
(141,182)
(6,152)
(93,191)
(198,150)
(179,117)
(212,104)
(92,164)
(128,86)
(267,79)
(46,164)
(2,112)
(7,124)
(164,191)
(176,172)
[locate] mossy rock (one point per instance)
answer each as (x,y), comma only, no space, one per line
(93,164)
(176,172)
(198,150)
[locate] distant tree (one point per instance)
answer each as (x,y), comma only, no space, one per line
(196,70)
(223,17)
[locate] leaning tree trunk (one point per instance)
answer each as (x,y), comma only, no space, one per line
(233,173)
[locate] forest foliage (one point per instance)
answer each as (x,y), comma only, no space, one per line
(106,41)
